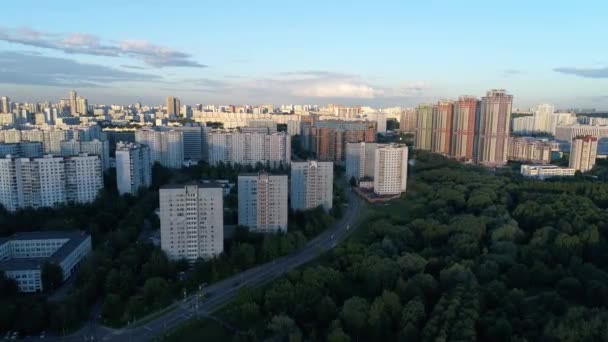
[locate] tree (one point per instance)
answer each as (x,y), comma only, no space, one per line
(283,327)
(112,309)
(156,292)
(354,315)
(353,181)
(338,335)
(52,276)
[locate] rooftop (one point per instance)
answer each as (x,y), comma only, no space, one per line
(207,184)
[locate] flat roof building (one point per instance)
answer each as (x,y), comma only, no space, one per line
(23,255)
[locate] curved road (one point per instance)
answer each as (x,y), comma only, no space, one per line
(222,292)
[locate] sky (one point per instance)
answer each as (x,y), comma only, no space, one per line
(371,53)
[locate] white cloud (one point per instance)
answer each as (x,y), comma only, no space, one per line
(88,44)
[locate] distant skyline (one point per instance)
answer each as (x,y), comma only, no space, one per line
(380,53)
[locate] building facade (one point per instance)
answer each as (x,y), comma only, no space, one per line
(442,127)
(407,120)
(465,129)
(192,221)
(263,202)
(360,160)
(583,153)
(390,169)
(195,141)
(328,138)
(311,185)
(531,150)
(166,145)
(133,168)
(23,255)
(49,181)
(249,148)
(424,127)
(546,171)
(494,127)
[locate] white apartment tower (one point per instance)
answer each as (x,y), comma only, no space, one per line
(6,105)
(360,160)
(84,178)
(263,202)
(311,184)
(166,146)
(133,168)
(390,169)
(192,221)
(583,153)
(543,118)
(73,103)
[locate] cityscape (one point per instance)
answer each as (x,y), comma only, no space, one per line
(148,196)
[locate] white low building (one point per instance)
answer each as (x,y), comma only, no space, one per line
(546,171)
(23,255)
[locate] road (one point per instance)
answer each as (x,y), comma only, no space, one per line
(223,292)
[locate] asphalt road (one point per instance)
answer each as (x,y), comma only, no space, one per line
(222,292)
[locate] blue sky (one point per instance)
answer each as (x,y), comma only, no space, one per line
(379,53)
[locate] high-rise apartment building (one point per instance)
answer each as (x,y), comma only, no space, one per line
(360,160)
(424,127)
(567,133)
(94,147)
(172,106)
(82,105)
(583,152)
(311,185)
(133,167)
(195,141)
(523,124)
(262,202)
(73,103)
(84,178)
(6,105)
(249,148)
(442,127)
(23,149)
(526,149)
(166,145)
(494,121)
(390,169)
(407,120)
(49,181)
(464,128)
(328,138)
(192,221)
(543,117)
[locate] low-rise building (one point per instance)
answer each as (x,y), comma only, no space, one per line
(23,255)
(546,171)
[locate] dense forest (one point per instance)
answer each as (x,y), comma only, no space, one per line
(467,254)
(126,277)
